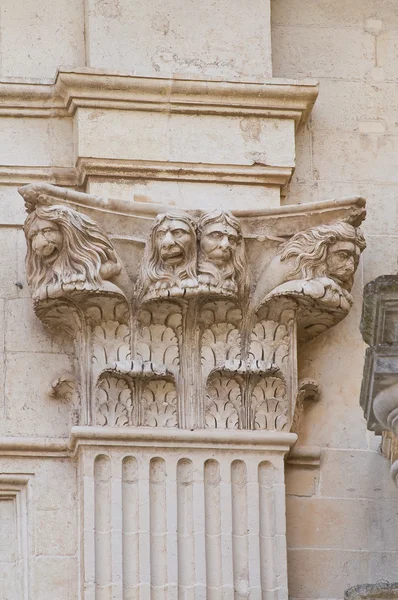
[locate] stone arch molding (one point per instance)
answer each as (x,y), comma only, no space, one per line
(188,319)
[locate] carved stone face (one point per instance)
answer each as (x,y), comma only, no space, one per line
(46,239)
(218,242)
(173,238)
(342,261)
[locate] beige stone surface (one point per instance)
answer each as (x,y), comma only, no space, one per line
(317,573)
(345,474)
(308,528)
(39,36)
(301,481)
(196,139)
(311,52)
(53,142)
(29,408)
(187,194)
(11,211)
(226,41)
(56,577)
(339,14)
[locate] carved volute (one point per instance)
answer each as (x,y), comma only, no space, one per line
(199,325)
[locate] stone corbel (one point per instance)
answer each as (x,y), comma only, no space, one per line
(189,319)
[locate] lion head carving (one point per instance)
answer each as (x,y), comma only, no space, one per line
(67,251)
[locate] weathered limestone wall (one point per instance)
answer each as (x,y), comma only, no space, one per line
(136,37)
(342,520)
(342,517)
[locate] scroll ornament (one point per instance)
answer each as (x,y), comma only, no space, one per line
(201,336)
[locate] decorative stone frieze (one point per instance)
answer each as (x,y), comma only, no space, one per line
(199,328)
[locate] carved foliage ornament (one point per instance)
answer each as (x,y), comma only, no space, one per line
(193,341)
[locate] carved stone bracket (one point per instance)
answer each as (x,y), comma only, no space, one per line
(199,324)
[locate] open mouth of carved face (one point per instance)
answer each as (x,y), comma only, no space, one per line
(172,256)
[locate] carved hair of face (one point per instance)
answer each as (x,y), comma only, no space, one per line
(326,251)
(171,251)
(221,250)
(66,248)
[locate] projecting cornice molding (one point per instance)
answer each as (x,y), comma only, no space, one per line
(100,168)
(278,98)
(266,223)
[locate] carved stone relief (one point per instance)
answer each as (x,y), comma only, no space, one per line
(206,333)
(67,252)
(379,391)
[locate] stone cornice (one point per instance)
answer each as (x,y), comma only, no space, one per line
(113,169)
(279,221)
(20,175)
(278,441)
(207,173)
(277,98)
(304,456)
(22,99)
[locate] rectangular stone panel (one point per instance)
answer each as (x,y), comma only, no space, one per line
(220,39)
(14,539)
(141,135)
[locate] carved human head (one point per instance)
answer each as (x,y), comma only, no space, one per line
(221,249)
(66,250)
(326,251)
(46,238)
(171,250)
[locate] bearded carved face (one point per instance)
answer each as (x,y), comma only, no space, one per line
(218,242)
(342,261)
(46,240)
(173,240)
(67,251)
(222,262)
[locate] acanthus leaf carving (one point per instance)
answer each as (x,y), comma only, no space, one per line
(159,404)
(114,402)
(269,404)
(200,336)
(223,402)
